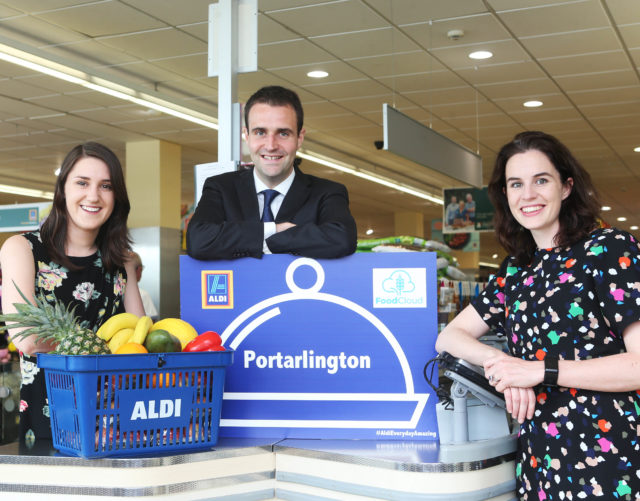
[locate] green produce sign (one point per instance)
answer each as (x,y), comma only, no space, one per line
(22,217)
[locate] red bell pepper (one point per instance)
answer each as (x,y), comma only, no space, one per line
(207,341)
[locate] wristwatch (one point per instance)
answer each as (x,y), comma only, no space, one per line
(550,371)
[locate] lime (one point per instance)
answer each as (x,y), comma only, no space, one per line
(162,341)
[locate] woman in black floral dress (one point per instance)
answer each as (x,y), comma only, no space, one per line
(80,256)
(568,300)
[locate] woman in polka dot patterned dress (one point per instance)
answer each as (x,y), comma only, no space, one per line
(568,300)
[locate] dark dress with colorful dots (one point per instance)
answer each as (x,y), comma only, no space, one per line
(573,303)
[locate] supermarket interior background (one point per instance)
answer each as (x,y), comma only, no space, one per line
(579,58)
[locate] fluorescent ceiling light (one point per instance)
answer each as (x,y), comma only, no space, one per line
(637,149)
(318,74)
(605,208)
(532,104)
(93,82)
(621,218)
(27,192)
(36,60)
(481,54)
(634,227)
(488,265)
(349,169)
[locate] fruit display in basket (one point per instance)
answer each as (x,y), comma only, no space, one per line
(163,378)
(162,341)
(129,348)
(207,341)
(54,323)
(143,326)
(184,331)
(116,323)
(119,338)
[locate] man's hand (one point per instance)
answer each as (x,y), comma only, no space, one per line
(283,226)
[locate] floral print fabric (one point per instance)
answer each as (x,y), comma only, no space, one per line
(96,295)
(573,303)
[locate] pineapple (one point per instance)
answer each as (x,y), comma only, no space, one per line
(54,323)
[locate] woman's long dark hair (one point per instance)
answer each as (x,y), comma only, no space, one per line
(113,239)
(579,212)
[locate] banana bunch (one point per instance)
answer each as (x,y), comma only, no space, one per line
(128,328)
(124,328)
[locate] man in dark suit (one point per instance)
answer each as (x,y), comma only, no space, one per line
(274,207)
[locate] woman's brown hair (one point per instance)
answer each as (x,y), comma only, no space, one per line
(579,212)
(113,239)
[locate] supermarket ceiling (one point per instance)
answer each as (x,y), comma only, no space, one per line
(579,57)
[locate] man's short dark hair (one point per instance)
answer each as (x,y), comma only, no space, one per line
(274,95)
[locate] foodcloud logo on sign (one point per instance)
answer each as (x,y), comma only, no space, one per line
(217,289)
(399,288)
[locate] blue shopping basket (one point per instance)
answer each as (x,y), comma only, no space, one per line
(134,404)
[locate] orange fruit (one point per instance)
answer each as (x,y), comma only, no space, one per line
(131,348)
(164,380)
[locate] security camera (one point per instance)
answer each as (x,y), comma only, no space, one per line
(379,144)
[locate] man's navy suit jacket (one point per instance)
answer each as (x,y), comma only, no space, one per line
(226,224)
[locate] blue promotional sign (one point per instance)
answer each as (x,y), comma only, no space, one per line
(323,348)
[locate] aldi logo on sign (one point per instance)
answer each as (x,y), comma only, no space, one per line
(399,288)
(217,289)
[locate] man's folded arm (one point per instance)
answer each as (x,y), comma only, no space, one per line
(333,235)
(209,236)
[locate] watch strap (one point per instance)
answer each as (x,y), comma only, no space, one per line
(550,371)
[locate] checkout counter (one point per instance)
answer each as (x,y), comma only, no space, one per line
(472,458)
(477,463)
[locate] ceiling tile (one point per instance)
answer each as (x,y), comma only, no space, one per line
(396,64)
(523,89)
(615,95)
(294,53)
(572,43)
(33,31)
(338,72)
(556,18)
(156,44)
(606,80)
(329,18)
(97,19)
(422,82)
(408,11)
(174,13)
(374,42)
(586,63)
(190,66)
(354,88)
(478,30)
(510,72)
(504,51)
(624,11)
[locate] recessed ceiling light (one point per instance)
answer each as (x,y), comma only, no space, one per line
(634,227)
(57,171)
(318,74)
(481,54)
(637,149)
(369,231)
(605,208)
(621,218)
(494,256)
(532,104)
